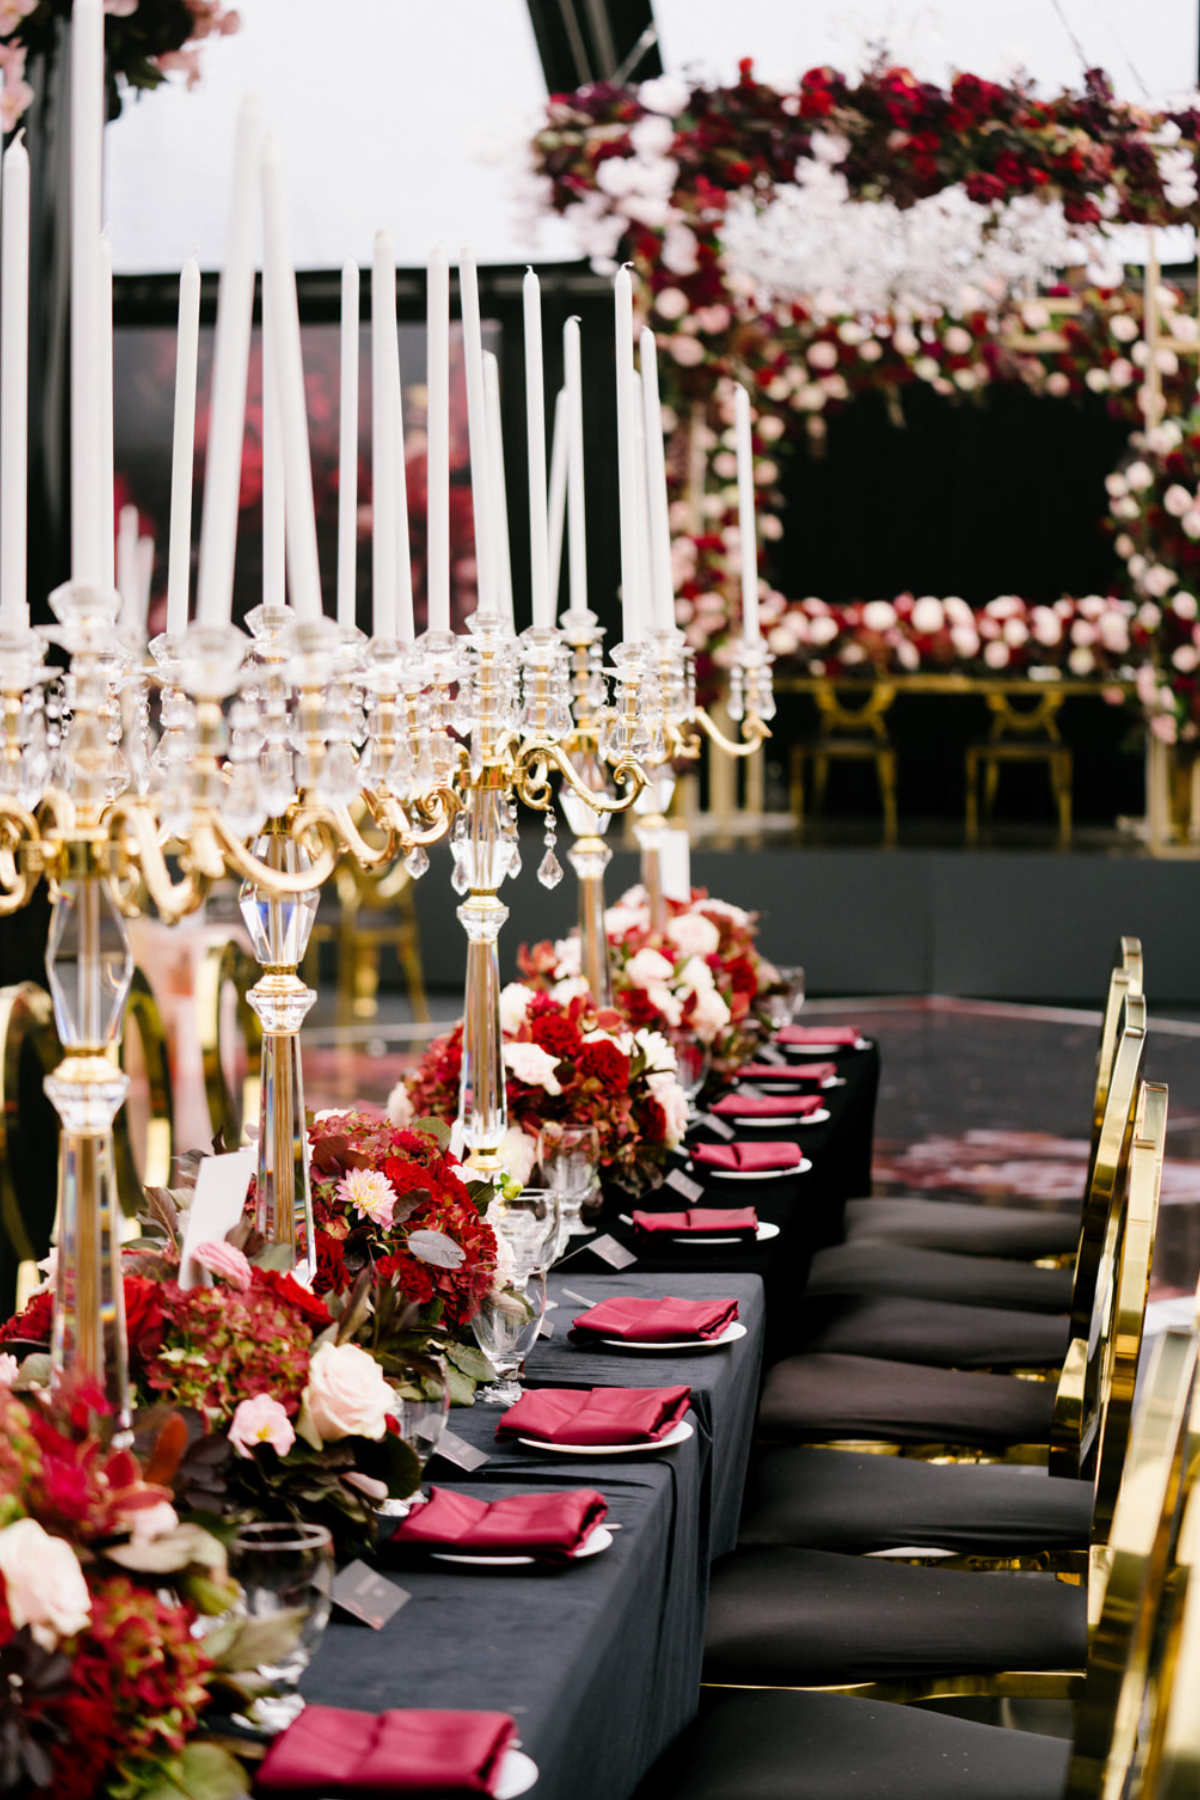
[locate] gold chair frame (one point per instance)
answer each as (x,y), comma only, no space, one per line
(1020,735)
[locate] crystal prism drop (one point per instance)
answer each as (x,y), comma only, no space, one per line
(549,870)
(458,881)
(514,858)
(416,862)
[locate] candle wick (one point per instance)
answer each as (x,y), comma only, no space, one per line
(20,138)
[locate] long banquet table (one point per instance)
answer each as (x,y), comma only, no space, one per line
(599,1661)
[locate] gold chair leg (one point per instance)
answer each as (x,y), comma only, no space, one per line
(366,979)
(885,764)
(1060,770)
(972,818)
(409,953)
(991,785)
(820,778)
(796,792)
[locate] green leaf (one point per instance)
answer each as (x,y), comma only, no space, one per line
(460,1387)
(175,1550)
(305,1428)
(471,1361)
(259,1642)
(35,1372)
(436,1248)
(203,1772)
(434,1128)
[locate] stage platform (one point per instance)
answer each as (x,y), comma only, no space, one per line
(1004,923)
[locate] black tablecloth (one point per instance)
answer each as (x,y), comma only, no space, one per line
(598,1662)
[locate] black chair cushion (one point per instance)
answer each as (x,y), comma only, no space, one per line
(827,1396)
(1006,1231)
(934,1331)
(852,1501)
(782,1617)
(876,1268)
(774,1746)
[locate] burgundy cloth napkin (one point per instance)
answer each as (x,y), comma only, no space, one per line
(818,1071)
(747,1156)
(818,1034)
(548,1526)
(601,1415)
(708,1221)
(768,1106)
(651,1321)
(330,1750)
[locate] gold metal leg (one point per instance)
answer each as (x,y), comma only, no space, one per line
(1060,776)
(820,780)
(885,766)
(797,788)
(972,819)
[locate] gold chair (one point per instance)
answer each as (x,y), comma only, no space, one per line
(848,734)
(358,941)
(1020,735)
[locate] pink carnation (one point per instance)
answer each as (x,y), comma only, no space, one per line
(227,1262)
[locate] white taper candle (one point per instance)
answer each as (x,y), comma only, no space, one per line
(303,561)
(105,448)
(576,514)
(485,556)
(14,386)
(535,431)
(656,489)
(274,486)
(231,357)
(145,580)
(627,487)
(437,327)
(746,520)
(557,503)
(347,571)
(497,486)
(187,345)
(127,578)
(87,154)
(383,440)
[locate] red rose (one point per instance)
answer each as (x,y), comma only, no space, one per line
(143,1317)
(34,1323)
(602,1061)
(556,1036)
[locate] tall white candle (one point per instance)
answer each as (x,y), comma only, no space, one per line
(627,412)
(347,580)
(437,328)
(556,519)
(231,358)
(145,580)
(406,629)
(127,543)
(497,486)
(14,386)
(645,573)
(87,150)
(301,519)
(187,344)
(656,490)
(274,497)
(383,440)
(104,337)
(576,516)
(535,430)
(485,556)
(746,520)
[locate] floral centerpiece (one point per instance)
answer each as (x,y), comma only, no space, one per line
(105,1663)
(567,1062)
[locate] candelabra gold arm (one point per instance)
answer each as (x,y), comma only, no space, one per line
(134,833)
(19,869)
(315,829)
(365,855)
(531,779)
(437,810)
(754,733)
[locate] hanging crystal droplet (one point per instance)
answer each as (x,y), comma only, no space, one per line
(514,858)
(416,862)
(458,881)
(550,870)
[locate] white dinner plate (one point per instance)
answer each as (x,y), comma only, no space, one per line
(756,1119)
(516,1775)
(765,1230)
(598,1539)
(709,1173)
(808,1050)
(678,1434)
(730,1335)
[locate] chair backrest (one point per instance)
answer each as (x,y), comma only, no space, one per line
(1129,1585)
(1109,1157)
(1119,986)
(1129,959)
(1170,1748)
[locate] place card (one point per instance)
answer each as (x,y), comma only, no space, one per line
(546,1329)
(582,1298)
(367,1595)
(683,1184)
(218,1202)
(614,1254)
(456,1450)
(769,1054)
(712,1123)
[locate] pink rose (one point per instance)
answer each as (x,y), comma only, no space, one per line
(261,1421)
(44,1584)
(227,1262)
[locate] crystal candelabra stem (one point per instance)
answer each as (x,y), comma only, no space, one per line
(589,857)
(482,1107)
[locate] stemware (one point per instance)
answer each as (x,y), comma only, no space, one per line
(792,978)
(569,1156)
(286,1573)
(531,1225)
(692,1059)
(422,1421)
(506,1322)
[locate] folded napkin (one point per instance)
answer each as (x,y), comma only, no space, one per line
(330,1750)
(548,1526)
(818,1071)
(650,1321)
(768,1106)
(602,1415)
(747,1156)
(708,1221)
(818,1034)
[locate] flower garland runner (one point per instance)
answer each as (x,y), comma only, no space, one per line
(657,174)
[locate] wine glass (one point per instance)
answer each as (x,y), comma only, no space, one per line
(286,1574)
(793,979)
(422,1421)
(531,1225)
(692,1060)
(506,1322)
(569,1156)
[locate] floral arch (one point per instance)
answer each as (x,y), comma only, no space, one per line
(936,221)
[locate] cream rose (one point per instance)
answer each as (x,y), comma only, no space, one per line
(694,935)
(517,1153)
(515,1001)
(347,1395)
(533,1065)
(659,1055)
(710,1015)
(44,1583)
(673,1100)
(647,967)
(400,1109)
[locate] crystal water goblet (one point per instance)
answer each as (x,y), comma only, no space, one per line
(531,1225)
(792,977)
(422,1419)
(692,1061)
(569,1156)
(506,1322)
(286,1574)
